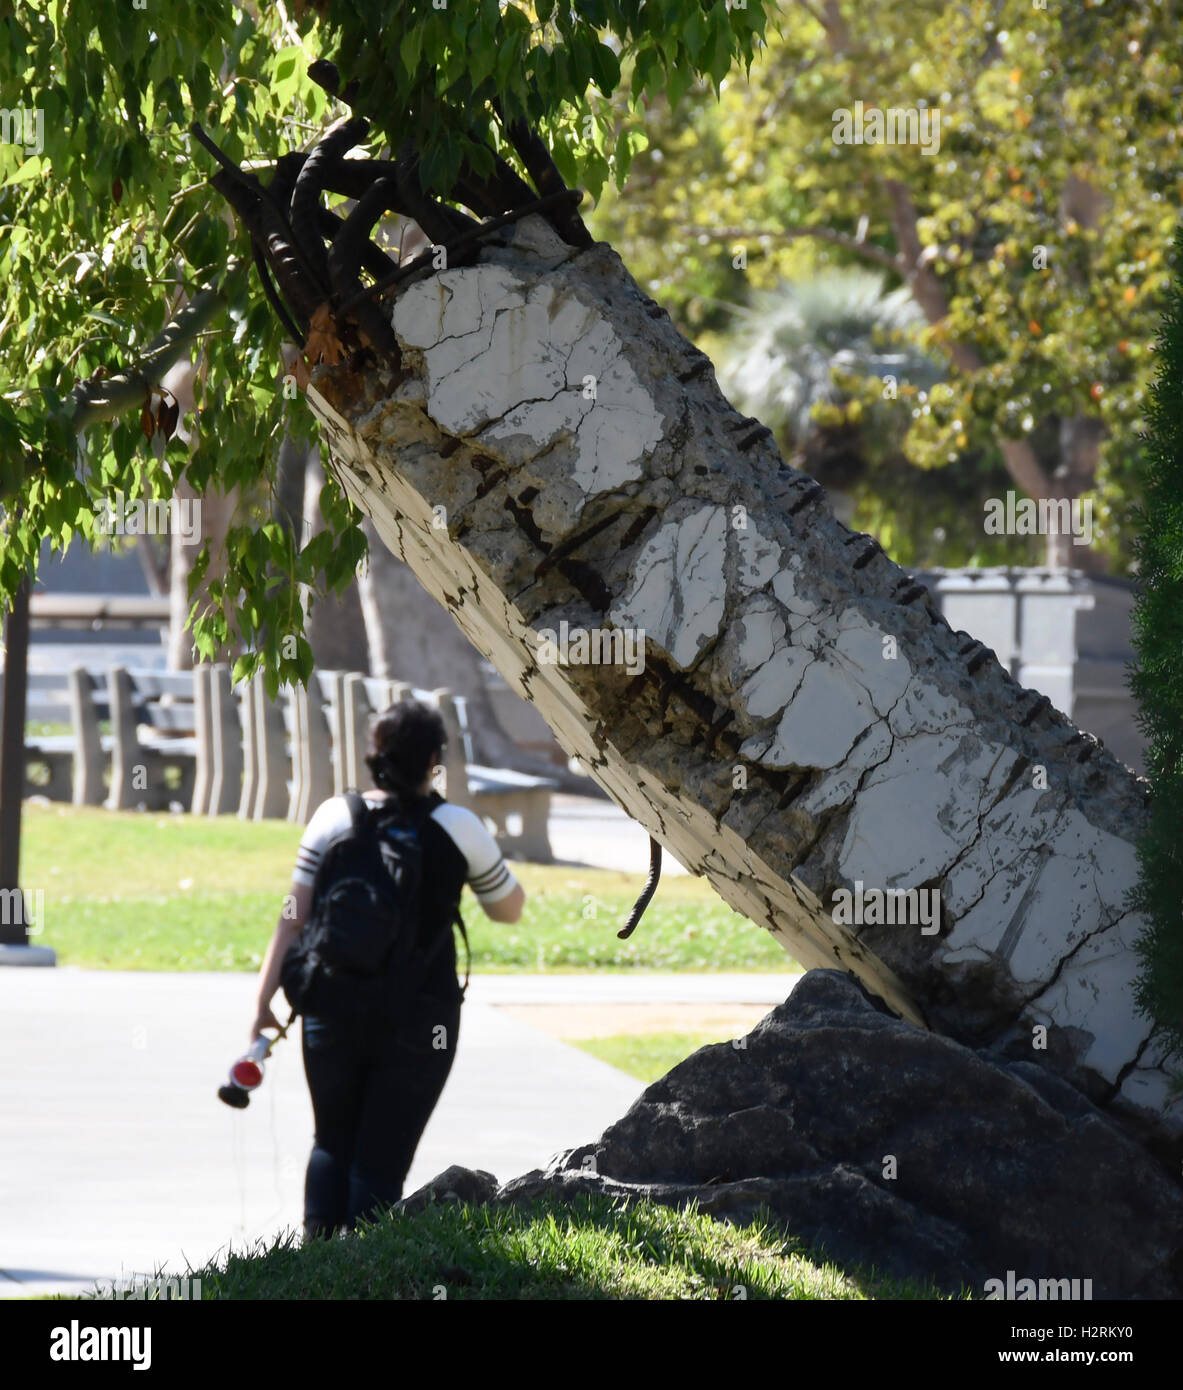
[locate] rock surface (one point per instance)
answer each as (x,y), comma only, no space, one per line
(999,1165)
(454,1184)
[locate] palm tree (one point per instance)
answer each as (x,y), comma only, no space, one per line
(788,356)
(791,340)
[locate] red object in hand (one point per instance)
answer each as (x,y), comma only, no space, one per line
(246,1073)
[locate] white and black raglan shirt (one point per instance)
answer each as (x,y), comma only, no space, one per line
(457,849)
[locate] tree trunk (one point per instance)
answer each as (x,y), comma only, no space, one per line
(154,564)
(1080,448)
(215,514)
(413,639)
(386,624)
(334,624)
(288,507)
(805,723)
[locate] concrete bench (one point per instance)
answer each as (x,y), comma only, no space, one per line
(220,771)
(186,723)
(154,724)
(190,738)
(305,747)
(514,805)
(518,806)
(67,767)
(98,611)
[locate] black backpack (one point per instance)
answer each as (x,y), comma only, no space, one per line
(366,947)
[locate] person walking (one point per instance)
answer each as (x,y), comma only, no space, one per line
(376,1071)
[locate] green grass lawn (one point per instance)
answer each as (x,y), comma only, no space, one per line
(153,891)
(590,1248)
(647,1056)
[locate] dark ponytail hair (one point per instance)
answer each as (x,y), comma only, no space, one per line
(404,742)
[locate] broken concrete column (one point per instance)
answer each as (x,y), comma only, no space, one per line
(797,721)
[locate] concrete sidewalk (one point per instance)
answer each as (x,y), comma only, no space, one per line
(586,830)
(117,1158)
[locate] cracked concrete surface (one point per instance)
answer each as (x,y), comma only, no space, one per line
(805,719)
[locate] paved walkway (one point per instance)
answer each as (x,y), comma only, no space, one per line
(587,830)
(116,1158)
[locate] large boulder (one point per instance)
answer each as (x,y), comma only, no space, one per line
(889,1146)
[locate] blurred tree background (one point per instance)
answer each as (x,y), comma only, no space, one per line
(1031,246)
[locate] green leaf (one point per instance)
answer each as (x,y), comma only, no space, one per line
(411,47)
(719,61)
(678,82)
(605,66)
(285,63)
(648,63)
(509,62)
(30,169)
(623,156)
(480,64)
(694,32)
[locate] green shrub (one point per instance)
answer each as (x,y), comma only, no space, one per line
(1157,680)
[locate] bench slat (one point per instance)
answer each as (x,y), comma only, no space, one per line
(500,779)
(170,747)
(53,681)
(170,717)
(150,685)
(61,743)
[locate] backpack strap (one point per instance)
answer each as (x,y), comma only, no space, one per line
(459,921)
(419,817)
(433,800)
(358,809)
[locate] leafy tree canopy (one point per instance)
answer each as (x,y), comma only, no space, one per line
(1058,130)
(116,257)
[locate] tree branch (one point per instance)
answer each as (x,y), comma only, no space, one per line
(155,570)
(836,27)
(103,398)
(814,14)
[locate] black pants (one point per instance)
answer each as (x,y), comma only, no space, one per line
(373,1091)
